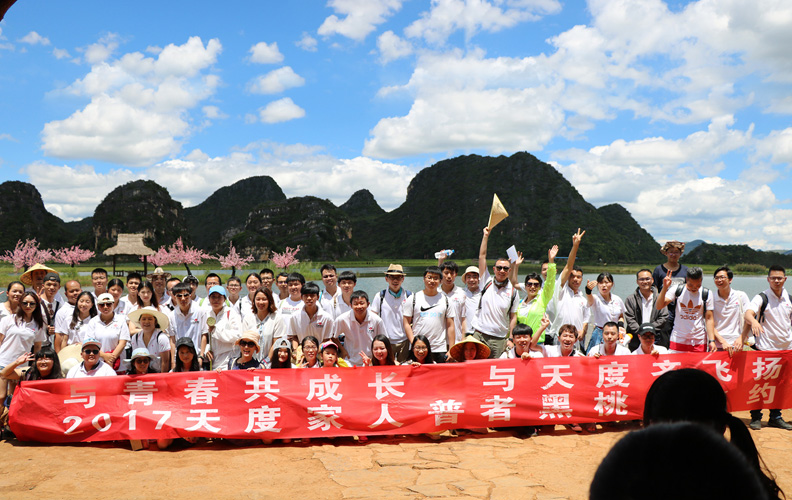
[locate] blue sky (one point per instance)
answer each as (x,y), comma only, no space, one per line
(679,111)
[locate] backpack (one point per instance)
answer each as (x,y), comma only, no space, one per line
(484,290)
(677,293)
(383,292)
(760,316)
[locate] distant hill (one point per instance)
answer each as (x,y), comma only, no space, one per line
(620,220)
(137,207)
(692,245)
(361,205)
(226,211)
(448,205)
(322,229)
(24,216)
(708,253)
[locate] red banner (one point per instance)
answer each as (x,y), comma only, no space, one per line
(293,403)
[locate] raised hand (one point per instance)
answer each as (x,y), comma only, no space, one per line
(577,237)
(551,254)
(667,280)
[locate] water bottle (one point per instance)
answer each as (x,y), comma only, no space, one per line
(443,253)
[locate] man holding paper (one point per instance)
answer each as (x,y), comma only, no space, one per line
(497,308)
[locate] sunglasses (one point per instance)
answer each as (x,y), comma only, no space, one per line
(181,295)
(91,351)
(142,360)
(532,284)
(28,304)
(105,304)
(502,268)
(247,343)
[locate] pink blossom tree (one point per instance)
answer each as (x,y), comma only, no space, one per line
(161,258)
(26,254)
(287,258)
(233,260)
(72,256)
(186,255)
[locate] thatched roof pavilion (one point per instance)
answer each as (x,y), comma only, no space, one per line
(130,244)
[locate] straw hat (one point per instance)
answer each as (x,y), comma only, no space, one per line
(161,317)
(458,349)
(140,352)
(27,278)
(158,272)
(70,356)
(251,336)
(395,269)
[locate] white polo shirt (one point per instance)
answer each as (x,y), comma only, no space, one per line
(777,320)
(728,313)
(570,309)
(358,336)
(227,330)
(191,325)
(320,326)
(109,334)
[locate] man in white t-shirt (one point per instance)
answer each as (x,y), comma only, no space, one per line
(472,279)
(389,305)
(332,290)
(267,278)
(496,314)
(429,313)
(569,305)
(694,324)
(292,303)
(189,320)
(130,300)
(770,318)
(729,309)
(342,302)
(359,327)
(456,297)
(310,319)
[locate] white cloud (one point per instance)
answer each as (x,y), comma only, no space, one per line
(361,17)
(139,106)
(264,53)
(60,53)
(8,137)
(777,146)
(3,44)
(101,50)
(391,47)
(276,81)
(110,129)
(471,16)
(213,112)
(468,102)
(73,193)
(294,167)
(307,42)
(34,38)
(670,188)
(281,110)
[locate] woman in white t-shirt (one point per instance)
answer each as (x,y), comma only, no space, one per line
(20,332)
(604,307)
(152,336)
(82,314)
(14,294)
(264,319)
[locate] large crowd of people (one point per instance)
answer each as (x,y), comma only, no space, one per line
(156,323)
